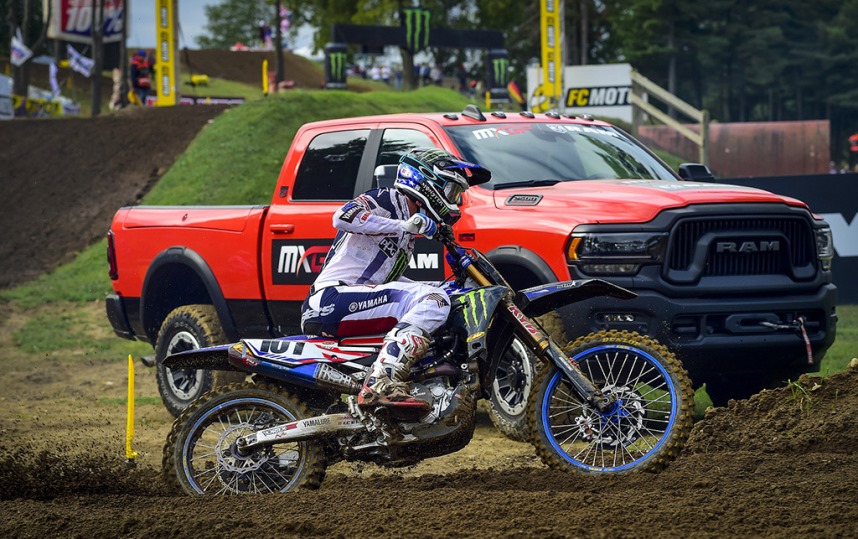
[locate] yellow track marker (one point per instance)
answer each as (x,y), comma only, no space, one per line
(130,454)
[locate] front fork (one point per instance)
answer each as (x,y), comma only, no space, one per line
(548,350)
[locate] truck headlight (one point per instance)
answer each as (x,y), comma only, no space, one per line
(615,253)
(824,247)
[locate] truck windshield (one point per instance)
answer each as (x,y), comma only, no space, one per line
(534,154)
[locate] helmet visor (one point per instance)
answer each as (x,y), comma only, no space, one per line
(453,192)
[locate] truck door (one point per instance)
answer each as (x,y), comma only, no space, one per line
(325,165)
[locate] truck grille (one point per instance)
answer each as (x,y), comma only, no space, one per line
(775,245)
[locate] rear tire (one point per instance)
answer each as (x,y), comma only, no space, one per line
(200,457)
(187,328)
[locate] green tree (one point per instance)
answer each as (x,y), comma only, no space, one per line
(233,21)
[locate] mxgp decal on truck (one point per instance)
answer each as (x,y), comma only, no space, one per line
(300,261)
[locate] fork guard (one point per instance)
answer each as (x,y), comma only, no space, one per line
(542,299)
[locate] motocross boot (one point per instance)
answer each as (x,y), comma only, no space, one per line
(385,385)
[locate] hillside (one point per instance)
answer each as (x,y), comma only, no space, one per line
(69,176)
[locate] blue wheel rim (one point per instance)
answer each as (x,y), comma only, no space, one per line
(594,354)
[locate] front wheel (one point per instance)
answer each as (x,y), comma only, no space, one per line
(201,457)
(645,429)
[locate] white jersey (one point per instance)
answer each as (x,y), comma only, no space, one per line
(371,247)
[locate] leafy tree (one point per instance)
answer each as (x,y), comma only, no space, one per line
(233,21)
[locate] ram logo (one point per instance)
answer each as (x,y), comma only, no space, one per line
(748,246)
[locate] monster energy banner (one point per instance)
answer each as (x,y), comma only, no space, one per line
(413,34)
(335,66)
(382,36)
(497,75)
(416,23)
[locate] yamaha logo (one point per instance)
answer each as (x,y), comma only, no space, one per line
(748,246)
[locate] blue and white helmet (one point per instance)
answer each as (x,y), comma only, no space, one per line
(435,180)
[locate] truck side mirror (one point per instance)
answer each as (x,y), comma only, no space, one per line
(695,172)
(385,175)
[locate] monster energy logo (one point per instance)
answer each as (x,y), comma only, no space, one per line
(416,28)
(338,66)
(471,297)
(500,65)
(399,267)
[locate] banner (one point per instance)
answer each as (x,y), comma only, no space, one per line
(80,63)
(497,67)
(416,23)
(52,78)
(547,95)
(335,66)
(599,90)
(166,66)
(19,53)
(71,20)
(7,111)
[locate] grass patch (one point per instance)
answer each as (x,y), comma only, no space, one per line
(70,328)
(236,159)
(845,346)
(84,279)
(223,88)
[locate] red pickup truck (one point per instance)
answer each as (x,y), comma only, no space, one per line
(736,280)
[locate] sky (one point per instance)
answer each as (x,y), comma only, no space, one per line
(192,20)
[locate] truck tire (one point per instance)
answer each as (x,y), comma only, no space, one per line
(189,327)
(513,383)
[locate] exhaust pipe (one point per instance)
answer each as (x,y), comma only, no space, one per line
(296,431)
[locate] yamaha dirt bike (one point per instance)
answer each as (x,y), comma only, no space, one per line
(613,402)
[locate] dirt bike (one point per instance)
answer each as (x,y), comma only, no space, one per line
(612,403)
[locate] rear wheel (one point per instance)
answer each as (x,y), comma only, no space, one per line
(187,328)
(645,429)
(514,381)
(201,454)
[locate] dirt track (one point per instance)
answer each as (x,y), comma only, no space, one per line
(773,466)
(776,465)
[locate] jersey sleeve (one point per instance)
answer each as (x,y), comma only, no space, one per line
(365,215)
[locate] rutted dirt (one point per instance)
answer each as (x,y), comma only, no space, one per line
(783,463)
(776,465)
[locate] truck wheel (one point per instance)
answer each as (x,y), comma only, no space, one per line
(186,328)
(513,382)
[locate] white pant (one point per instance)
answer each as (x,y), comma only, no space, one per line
(350,310)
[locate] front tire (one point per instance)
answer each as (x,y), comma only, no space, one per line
(187,328)
(645,430)
(200,456)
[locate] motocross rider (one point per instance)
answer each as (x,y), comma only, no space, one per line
(361,291)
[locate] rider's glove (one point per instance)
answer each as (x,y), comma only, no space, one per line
(420,224)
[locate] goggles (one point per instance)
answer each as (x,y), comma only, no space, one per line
(453,192)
